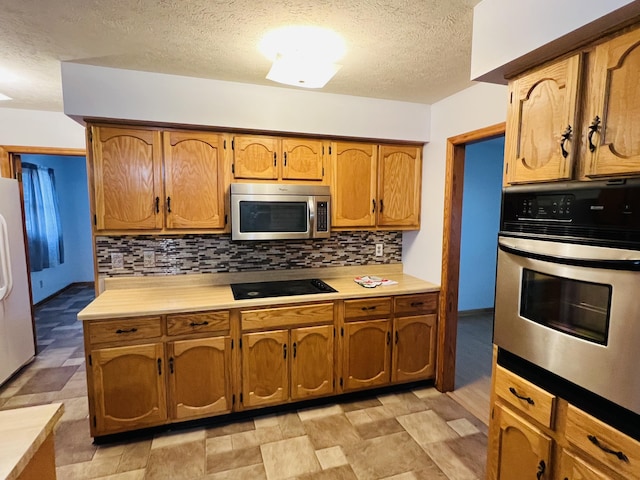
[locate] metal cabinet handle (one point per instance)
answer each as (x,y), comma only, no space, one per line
(295,349)
(621,456)
(529,400)
(374,206)
(541,468)
(159,366)
(285,159)
(364,309)
(388,338)
(131,330)
(274,159)
(157,204)
(593,128)
(195,324)
(171,364)
(381,206)
(416,304)
(169,204)
(285,350)
(396,337)
(565,136)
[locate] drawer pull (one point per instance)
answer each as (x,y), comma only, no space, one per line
(364,309)
(416,304)
(565,136)
(131,330)
(195,324)
(621,456)
(529,400)
(593,128)
(541,468)
(171,364)
(159,366)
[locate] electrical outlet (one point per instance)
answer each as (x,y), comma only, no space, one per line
(117,260)
(379,247)
(149,259)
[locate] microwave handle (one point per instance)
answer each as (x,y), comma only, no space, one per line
(628,265)
(312,217)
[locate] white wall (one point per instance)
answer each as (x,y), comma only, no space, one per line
(155,97)
(476,107)
(506,30)
(35,128)
(73,197)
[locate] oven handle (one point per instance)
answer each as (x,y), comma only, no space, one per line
(628,265)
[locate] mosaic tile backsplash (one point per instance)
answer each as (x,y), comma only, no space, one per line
(176,255)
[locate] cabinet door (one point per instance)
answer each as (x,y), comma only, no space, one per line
(414,348)
(128,387)
(127,177)
(265,376)
(574,468)
(312,361)
(302,160)
(194,180)
(367,358)
(255,157)
(523,451)
(614,98)
(199,377)
(542,109)
(353,188)
(399,186)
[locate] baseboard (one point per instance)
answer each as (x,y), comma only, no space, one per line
(477,311)
(71,285)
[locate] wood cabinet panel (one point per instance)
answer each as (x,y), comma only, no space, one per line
(414,348)
(367,359)
(194,180)
(200,377)
(525,396)
(265,373)
(255,157)
(126,329)
(614,98)
(312,361)
(286,316)
(184,323)
(127,167)
(415,304)
(573,467)
(399,186)
(302,159)
(353,185)
(128,387)
(367,308)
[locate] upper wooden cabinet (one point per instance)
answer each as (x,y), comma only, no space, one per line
(577,118)
(278,159)
(613,113)
(540,121)
(131,192)
(375,185)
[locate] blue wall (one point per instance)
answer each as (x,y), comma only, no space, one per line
(480,223)
(73,197)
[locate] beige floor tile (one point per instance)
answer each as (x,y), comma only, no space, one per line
(358,417)
(135,456)
(378,429)
(379,413)
(291,425)
(109,451)
(131,475)
(449,462)
(343,472)
(319,412)
(427,427)
(402,476)
(331,457)
(289,458)
(75,409)
(235,459)
(73,361)
(331,431)
(91,469)
(472,451)
(29,400)
(252,472)
(178,437)
(429,392)
(219,444)
(265,421)
(177,461)
(230,428)
(350,406)
(73,443)
(463,427)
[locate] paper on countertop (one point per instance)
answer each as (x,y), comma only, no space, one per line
(368,281)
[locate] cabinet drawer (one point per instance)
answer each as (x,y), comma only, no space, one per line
(415,304)
(287,316)
(182,323)
(124,329)
(604,443)
(367,308)
(525,396)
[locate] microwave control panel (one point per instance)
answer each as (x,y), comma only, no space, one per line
(322,212)
(547,207)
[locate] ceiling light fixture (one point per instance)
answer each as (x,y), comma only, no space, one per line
(4,97)
(303,56)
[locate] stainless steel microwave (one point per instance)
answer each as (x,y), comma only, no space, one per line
(261,211)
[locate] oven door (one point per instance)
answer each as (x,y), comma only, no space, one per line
(572,310)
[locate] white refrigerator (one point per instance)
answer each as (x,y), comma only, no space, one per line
(16,325)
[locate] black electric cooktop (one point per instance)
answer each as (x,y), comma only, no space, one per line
(244,291)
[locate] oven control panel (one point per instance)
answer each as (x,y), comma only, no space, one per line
(547,207)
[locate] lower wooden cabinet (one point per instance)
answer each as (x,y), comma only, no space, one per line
(414,353)
(573,467)
(128,387)
(312,362)
(199,377)
(367,359)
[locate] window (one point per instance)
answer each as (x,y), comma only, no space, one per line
(42,216)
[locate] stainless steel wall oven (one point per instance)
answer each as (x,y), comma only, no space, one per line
(568,285)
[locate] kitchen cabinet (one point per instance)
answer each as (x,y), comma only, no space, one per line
(147,179)
(375,186)
(274,159)
(293,363)
(577,117)
(367,360)
(533,430)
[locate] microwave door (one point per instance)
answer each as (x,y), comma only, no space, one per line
(273,218)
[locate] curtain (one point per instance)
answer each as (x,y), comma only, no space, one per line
(42,216)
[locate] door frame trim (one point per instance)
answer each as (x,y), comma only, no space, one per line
(452,229)
(6,151)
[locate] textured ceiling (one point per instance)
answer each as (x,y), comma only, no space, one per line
(411,50)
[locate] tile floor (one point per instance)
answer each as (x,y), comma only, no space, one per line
(405,435)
